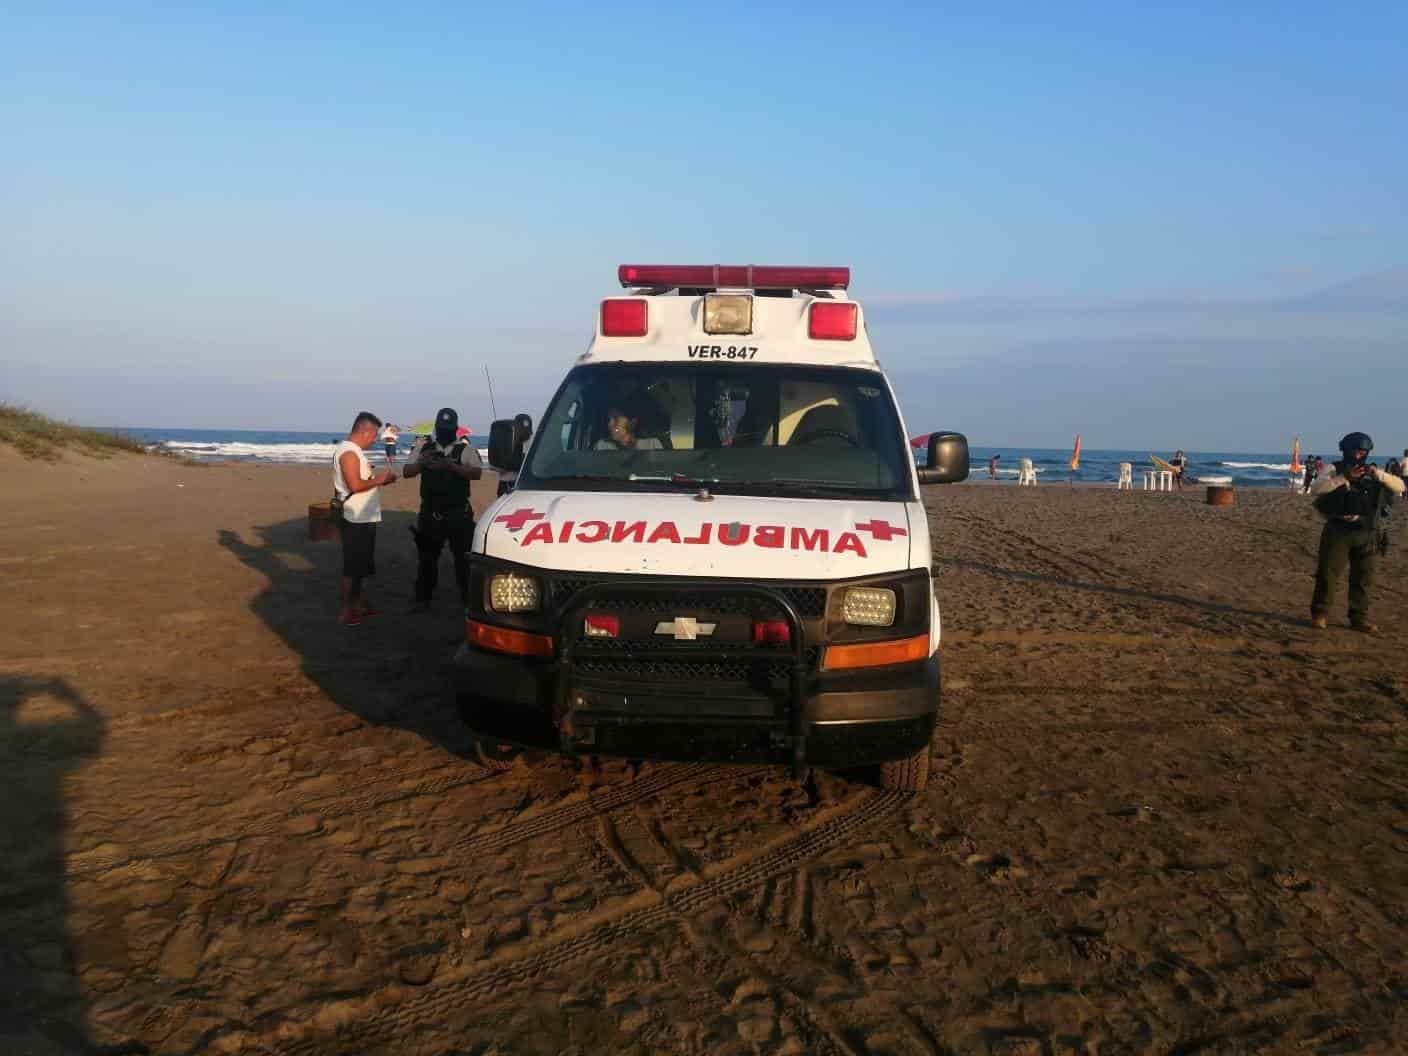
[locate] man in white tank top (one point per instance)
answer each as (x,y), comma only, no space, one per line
(359,490)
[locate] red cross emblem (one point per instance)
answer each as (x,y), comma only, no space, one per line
(518,518)
(883,531)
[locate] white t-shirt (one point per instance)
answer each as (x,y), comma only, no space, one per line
(365,506)
(389,435)
(643,443)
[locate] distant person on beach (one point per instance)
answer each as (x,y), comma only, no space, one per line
(992,466)
(389,436)
(446,464)
(1179,462)
(1353,498)
(359,491)
(1398,467)
(1311,471)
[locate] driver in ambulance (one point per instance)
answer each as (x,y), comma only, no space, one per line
(622,425)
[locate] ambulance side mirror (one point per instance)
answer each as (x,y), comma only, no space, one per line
(501,444)
(948,459)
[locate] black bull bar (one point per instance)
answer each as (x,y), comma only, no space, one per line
(570,619)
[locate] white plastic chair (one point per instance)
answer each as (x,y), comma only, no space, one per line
(1026,472)
(1126,476)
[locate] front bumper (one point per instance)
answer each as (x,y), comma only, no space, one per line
(846,719)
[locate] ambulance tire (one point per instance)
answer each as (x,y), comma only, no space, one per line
(493,755)
(906,775)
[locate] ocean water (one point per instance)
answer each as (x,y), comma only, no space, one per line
(1240,468)
(252,445)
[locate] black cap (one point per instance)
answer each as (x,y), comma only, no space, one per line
(1356,442)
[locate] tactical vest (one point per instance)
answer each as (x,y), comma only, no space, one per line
(1367,500)
(445,493)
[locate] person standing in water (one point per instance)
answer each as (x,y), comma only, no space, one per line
(992,466)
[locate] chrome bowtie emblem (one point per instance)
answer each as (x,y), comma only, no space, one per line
(685,628)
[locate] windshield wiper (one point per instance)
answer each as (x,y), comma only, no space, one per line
(679,480)
(583,476)
(800,482)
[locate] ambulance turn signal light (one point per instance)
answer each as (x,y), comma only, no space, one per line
(734,276)
(876,654)
(506,639)
(832,321)
(624,317)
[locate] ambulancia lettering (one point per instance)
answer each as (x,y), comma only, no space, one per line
(711,533)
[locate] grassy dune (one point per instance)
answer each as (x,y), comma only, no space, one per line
(35,435)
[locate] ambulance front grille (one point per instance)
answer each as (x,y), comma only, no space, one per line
(810,602)
(773,675)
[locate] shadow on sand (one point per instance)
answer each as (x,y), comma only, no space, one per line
(47,731)
(394,669)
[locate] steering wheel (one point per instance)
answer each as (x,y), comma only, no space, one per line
(814,435)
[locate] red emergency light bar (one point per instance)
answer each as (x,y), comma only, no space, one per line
(734,276)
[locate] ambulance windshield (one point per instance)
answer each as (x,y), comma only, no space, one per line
(760,429)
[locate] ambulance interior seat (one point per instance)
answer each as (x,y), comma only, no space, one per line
(755,428)
(827,425)
(653,422)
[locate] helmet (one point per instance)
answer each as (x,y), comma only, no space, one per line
(1356,442)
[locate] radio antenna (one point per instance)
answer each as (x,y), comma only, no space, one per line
(490,380)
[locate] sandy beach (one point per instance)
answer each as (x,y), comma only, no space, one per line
(1167,816)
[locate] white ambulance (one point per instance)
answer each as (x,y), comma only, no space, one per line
(715,548)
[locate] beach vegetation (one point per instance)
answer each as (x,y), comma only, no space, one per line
(38,436)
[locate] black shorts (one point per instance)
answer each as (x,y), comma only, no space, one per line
(358,550)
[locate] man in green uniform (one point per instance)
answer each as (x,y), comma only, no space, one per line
(445,464)
(1353,498)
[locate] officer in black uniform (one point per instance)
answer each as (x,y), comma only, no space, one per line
(1353,498)
(446,464)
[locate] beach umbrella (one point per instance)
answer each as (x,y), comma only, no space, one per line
(1295,456)
(919,441)
(1075,455)
(424,428)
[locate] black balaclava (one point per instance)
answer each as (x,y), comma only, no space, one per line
(446,422)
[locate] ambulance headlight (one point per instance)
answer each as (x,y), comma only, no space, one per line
(510,592)
(868,607)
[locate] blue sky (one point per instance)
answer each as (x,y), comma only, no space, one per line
(1154,228)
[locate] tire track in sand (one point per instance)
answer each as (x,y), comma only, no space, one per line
(641,914)
(594,805)
(90,863)
(97,861)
